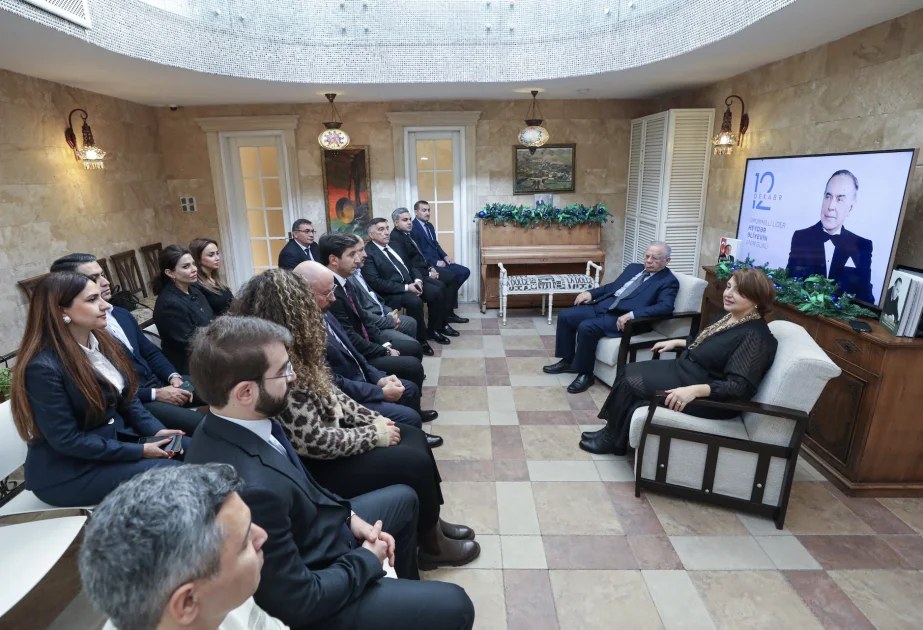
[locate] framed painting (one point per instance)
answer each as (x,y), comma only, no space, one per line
(347,190)
(549,169)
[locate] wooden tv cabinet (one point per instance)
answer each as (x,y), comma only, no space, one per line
(865,434)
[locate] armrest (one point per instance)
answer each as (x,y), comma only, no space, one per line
(662,318)
(743,406)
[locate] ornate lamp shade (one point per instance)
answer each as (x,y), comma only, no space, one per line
(726,140)
(533,135)
(90,154)
(332,138)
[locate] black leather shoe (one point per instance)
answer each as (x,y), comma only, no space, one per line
(589,435)
(601,444)
(438,337)
(429,415)
(456,532)
(561,367)
(427,349)
(433,441)
(582,383)
(455,319)
(451,332)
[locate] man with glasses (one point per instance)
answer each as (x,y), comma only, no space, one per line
(302,246)
(643,290)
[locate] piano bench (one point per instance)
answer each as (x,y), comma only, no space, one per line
(545,285)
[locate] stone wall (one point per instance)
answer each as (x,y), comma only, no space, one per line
(860,93)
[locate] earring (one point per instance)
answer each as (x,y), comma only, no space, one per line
(67,319)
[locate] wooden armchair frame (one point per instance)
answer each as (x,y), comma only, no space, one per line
(130,278)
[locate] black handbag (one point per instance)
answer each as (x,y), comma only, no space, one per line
(124,299)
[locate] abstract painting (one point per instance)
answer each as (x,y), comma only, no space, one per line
(347,192)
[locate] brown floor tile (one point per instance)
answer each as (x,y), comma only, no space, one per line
(446,380)
(753,600)
(461,398)
(522,342)
(890,599)
(588,417)
(473,503)
(463,366)
(589,552)
(549,342)
(529,601)
(506,443)
(654,553)
(527,366)
(511,470)
(437,349)
(581,402)
(635,514)
(852,552)
(490,323)
(464,442)
(485,588)
(908,510)
(574,509)
(552,443)
(428,397)
(602,600)
(813,510)
(909,547)
(467,470)
(680,517)
(518,323)
(550,398)
(525,353)
(873,513)
(468,343)
(546,417)
(495,366)
(496,380)
(599,392)
(490,333)
(827,601)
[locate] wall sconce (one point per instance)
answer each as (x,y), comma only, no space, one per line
(533,135)
(90,154)
(332,137)
(726,140)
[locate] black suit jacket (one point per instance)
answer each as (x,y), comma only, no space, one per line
(807,258)
(352,323)
(177,316)
(151,365)
(292,254)
(359,382)
(381,275)
(409,251)
(311,568)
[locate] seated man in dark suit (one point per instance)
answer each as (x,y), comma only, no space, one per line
(646,290)
(302,246)
(401,285)
(452,274)
(830,250)
(340,253)
(158,381)
(323,555)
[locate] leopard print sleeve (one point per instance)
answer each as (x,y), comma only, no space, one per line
(354,414)
(313,427)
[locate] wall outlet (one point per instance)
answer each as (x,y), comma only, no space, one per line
(187,204)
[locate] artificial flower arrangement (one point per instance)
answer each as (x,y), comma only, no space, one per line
(543,216)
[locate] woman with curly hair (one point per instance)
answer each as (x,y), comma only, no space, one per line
(347,448)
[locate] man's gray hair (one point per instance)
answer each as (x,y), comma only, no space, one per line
(398,212)
(666,248)
(152,534)
(855,181)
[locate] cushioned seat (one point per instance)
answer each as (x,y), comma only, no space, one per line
(545,285)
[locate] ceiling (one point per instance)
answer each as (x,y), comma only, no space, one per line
(32,49)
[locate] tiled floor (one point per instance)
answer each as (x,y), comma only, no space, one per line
(565,543)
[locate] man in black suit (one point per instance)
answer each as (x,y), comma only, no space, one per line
(727,255)
(302,246)
(450,272)
(892,305)
(391,273)
(340,252)
(323,555)
(830,250)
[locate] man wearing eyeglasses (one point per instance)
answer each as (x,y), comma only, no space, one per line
(302,246)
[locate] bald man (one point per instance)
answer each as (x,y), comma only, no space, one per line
(394,398)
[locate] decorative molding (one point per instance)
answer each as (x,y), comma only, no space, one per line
(249,123)
(433,119)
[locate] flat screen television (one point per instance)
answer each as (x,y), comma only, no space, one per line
(838,215)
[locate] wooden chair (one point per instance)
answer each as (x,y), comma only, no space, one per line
(105,266)
(28,285)
(151,255)
(126,266)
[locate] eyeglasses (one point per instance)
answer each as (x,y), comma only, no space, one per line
(307,231)
(329,295)
(288,376)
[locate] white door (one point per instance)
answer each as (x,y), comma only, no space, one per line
(435,170)
(260,202)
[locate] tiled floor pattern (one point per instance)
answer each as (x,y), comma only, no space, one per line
(565,543)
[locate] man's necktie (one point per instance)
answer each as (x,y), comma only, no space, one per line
(431,231)
(631,286)
(405,273)
(415,246)
(352,303)
(307,251)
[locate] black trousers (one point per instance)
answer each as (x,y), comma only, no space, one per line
(578,333)
(409,462)
(184,418)
(453,276)
(432,297)
(405,368)
(406,346)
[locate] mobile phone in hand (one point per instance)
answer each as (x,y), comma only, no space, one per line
(187,386)
(175,444)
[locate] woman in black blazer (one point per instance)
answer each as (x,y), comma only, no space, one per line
(727,360)
(208,263)
(73,398)
(180,308)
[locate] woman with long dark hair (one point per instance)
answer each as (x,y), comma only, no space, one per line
(347,448)
(208,263)
(73,398)
(180,308)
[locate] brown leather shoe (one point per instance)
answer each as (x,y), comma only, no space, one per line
(452,553)
(456,532)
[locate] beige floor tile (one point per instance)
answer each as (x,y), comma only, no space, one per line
(688,518)
(461,398)
(602,600)
(813,510)
(526,365)
(469,342)
(517,323)
(501,418)
(518,332)
(599,392)
(485,588)
(473,503)
(464,443)
(755,600)
(575,509)
(449,352)
(534,380)
(491,557)
(432,367)
(522,342)
(462,367)
(762,526)
(616,469)
(516,508)
(720,553)
(463,418)
(890,599)
(787,553)
(551,442)
(908,510)
(523,552)
(677,601)
(501,398)
(562,471)
(540,399)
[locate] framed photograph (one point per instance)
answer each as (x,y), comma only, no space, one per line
(729,250)
(549,169)
(543,199)
(347,190)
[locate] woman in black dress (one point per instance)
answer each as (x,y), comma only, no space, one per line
(180,308)
(208,262)
(727,360)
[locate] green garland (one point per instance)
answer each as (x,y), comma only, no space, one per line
(814,295)
(5,382)
(543,216)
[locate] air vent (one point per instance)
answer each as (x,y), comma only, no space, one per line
(187,204)
(75,11)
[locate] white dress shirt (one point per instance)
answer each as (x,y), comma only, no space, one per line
(829,247)
(115,329)
(262,428)
(401,260)
(247,616)
(102,365)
